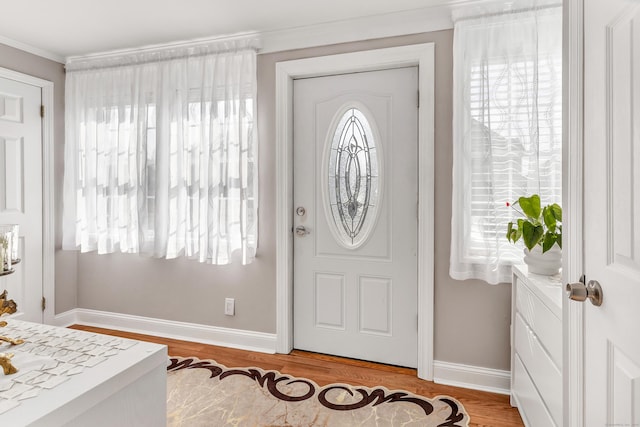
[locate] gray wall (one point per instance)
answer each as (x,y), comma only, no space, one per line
(471,317)
(65,264)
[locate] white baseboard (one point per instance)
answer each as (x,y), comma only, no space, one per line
(454,374)
(65,319)
(473,377)
(225,337)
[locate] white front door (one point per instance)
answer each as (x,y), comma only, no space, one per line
(612,211)
(21,190)
(355,215)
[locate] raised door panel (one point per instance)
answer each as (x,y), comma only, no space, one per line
(623,388)
(623,140)
(375,298)
(11,107)
(12,174)
(329,301)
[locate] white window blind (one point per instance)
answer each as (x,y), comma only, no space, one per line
(161,154)
(507,132)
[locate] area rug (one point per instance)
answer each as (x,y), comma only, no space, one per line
(206,393)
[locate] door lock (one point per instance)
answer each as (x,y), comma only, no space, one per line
(301,230)
(300,211)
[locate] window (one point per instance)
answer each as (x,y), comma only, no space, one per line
(161,156)
(507,132)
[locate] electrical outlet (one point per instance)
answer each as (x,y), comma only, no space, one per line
(230,306)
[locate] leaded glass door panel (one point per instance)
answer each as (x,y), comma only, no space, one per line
(355,194)
(351,172)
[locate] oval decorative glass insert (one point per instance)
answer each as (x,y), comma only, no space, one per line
(353,178)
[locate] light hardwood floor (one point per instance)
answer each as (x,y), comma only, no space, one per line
(485,409)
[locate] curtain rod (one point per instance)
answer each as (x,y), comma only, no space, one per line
(163,52)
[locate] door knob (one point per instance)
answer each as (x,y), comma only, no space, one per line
(301,230)
(579,292)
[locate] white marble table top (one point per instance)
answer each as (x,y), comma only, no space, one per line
(51,357)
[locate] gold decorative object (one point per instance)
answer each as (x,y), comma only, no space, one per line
(5,362)
(11,341)
(7,306)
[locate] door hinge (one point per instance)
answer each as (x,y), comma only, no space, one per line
(418,100)
(44,303)
(42,111)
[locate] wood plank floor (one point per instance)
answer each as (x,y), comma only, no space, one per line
(485,409)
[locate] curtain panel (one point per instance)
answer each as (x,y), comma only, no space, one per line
(161,154)
(507,132)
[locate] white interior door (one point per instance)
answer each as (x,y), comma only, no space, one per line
(612,210)
(21,190)
(355,219)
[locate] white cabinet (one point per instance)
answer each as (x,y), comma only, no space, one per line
(536,347)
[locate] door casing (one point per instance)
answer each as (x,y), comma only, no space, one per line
(48,219)
(421,55)
(572,201)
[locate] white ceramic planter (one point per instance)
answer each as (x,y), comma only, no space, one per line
(547,263)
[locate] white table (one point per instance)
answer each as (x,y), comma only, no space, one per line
(83,379)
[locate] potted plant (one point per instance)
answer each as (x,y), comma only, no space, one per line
(541,231)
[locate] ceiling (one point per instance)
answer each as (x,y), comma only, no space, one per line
(78,27)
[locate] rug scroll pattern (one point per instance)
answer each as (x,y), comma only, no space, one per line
(203,392)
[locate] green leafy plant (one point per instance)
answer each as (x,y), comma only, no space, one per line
(540,225)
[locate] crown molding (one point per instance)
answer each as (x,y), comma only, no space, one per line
(427,19)
(32,49)
(415,21)
(369,27)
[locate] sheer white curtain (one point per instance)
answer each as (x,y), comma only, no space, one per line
(161,153)
(507,132)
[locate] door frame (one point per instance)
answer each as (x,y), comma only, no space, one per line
(420,55)
(572,195)
(48,187)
